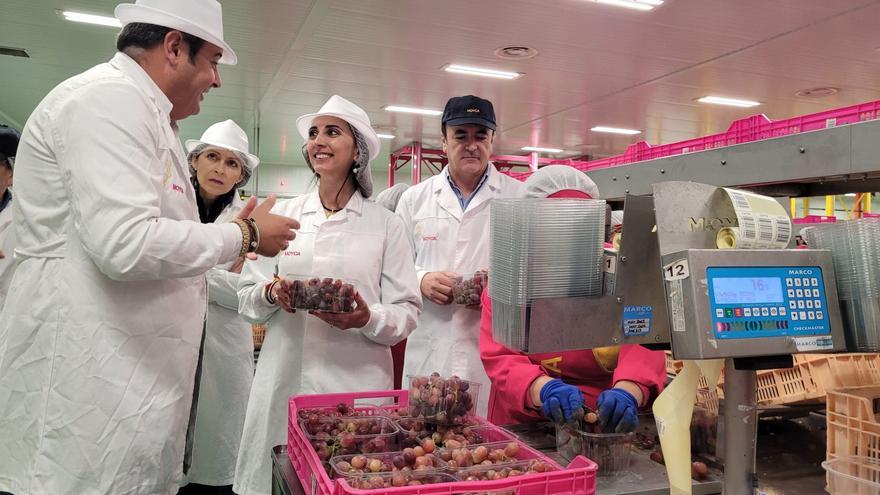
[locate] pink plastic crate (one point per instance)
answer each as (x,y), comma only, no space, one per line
(579,478)
(814,219)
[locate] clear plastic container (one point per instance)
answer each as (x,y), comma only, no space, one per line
(339,410)
(391,480)
(500,453)
(363,464)
(442,400)
(414,431)
(467,291)
(853,475)
(350,435)
(611,451)
(499,472)
(321,293)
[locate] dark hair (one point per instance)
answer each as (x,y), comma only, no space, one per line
(146,36)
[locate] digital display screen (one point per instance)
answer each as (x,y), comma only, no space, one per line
(738,290)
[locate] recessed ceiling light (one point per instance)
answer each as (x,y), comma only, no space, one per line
(516,52)
(386,136)
(851,195)
(479,71)
(541,150)
(100,20)
(633,4)
(817,92)
(420,111)
(731,102)
(615,130)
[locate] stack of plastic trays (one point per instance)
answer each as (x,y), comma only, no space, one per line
(853,245)
(541,248)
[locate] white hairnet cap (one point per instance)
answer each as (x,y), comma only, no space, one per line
(554,178)
(391,196)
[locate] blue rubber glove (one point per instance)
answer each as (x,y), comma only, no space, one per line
(618,411)
(560,400)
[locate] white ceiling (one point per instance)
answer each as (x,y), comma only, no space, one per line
(598,65)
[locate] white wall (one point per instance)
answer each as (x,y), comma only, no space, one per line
(289,181)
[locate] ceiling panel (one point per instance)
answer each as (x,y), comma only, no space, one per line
(598,65)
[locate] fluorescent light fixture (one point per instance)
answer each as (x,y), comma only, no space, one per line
(633,4)
(420,111)
(386,136)
(615,130)
(478,71)
(100,20)
(850,195)
(541,150)
(731,102)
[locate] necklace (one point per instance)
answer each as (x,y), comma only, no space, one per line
(331,210)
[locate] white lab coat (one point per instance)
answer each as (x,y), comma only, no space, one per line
(447,339)
(363,243)
(227,374)
(7,246)
(100,334)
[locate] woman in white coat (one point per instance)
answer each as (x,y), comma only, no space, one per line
(343,236)
(220,164)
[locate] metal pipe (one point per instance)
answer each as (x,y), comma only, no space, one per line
(829,206)
(740,430)
(416,162)
(533,161)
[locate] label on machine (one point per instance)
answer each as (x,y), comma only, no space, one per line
(760,302)
(637,320)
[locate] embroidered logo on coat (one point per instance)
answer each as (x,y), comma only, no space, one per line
(434,237)
(292,253)
(552,365)
(177,188)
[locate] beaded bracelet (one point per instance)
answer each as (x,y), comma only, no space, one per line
(245,236)
(255,234)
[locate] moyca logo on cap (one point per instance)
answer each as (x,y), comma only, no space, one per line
(473,110)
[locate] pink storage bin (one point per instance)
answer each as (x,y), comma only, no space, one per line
(579,478)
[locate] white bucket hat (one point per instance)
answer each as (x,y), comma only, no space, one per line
(356,117)
(227,135)
(200,18)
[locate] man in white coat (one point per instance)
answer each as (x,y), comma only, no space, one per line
(100,334)
(447,220)
(8,146)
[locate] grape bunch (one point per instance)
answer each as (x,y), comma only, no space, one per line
(502,472)
(469,290)
(415,432)
(416,459)
(340,409)
(480,455)
(445,401)
(316,294)
(349,435)
(412,478)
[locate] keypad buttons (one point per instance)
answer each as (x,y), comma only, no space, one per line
(782,311)
(719,313)
(794,316)
(799,292)
(820,315)
(789,282)
(802,314)
(747,312)
(811,315)
(774,311)
(765,311)
(809,304)
(817,303)
(800,304)
(797,282)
